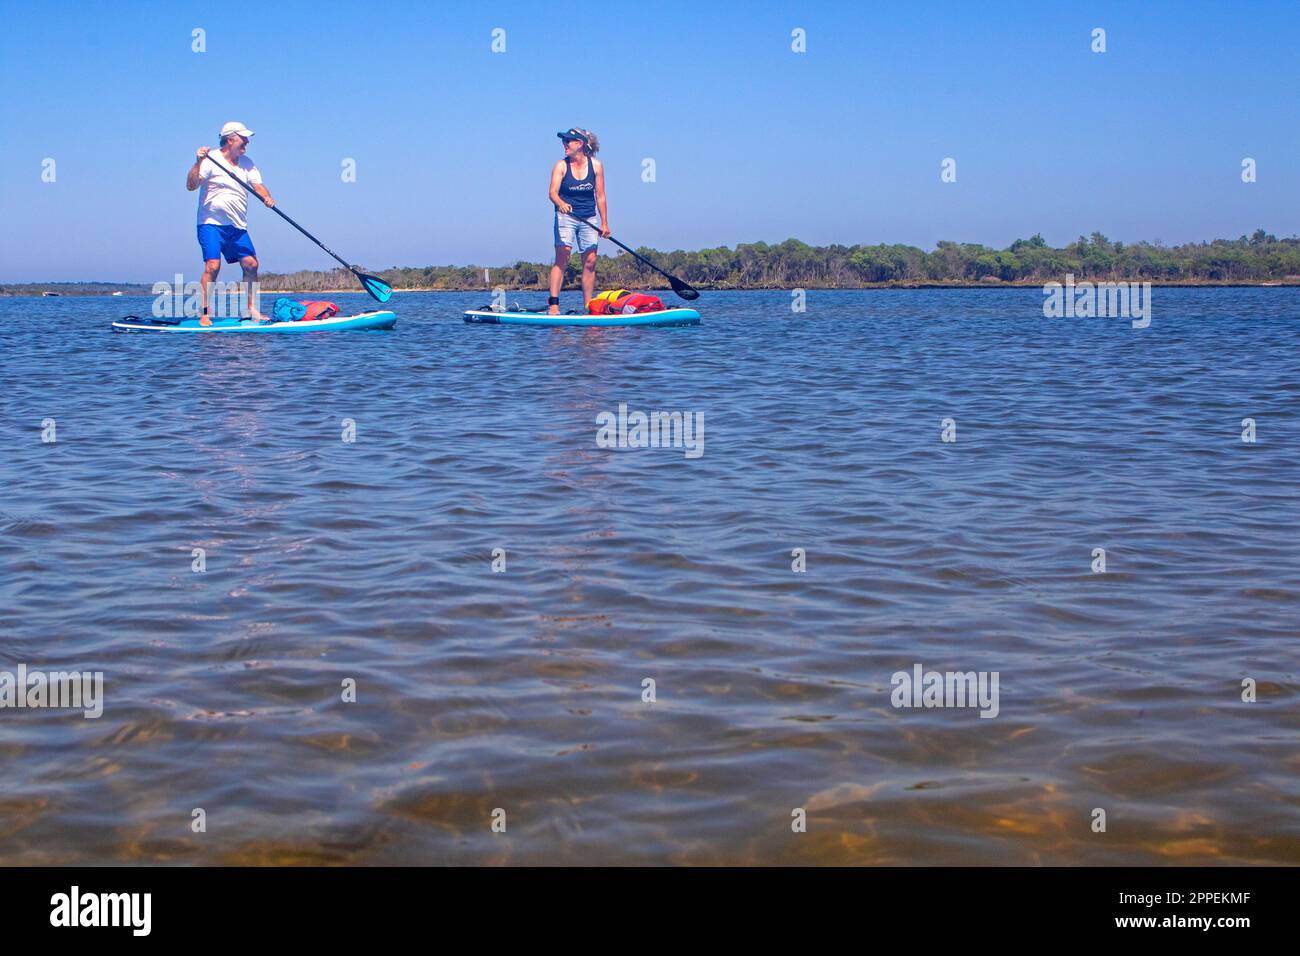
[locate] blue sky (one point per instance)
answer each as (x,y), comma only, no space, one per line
(453,143)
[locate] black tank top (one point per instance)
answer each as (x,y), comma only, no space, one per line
(579,193)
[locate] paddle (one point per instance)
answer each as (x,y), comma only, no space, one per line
(680,287)
(379,290)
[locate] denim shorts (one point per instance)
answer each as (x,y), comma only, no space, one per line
(574,233)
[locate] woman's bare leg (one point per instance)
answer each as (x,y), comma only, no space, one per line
(557,276)
(588,277)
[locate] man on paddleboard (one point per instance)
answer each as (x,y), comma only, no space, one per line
(223,210)
(577,190)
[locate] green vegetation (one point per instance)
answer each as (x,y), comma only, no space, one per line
(794,264)
(76,288)
(1253,259)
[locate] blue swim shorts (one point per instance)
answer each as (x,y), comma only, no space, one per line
(230,241)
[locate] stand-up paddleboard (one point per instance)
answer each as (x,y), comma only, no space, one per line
(338,323)
(665,317)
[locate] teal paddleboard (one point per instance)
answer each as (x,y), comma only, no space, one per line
(338,323)
(666,317)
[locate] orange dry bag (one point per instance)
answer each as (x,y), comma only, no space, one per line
(319,310)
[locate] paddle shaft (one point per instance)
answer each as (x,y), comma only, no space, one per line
(283,215)
(680,287)
(621,246)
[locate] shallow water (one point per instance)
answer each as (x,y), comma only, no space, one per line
(371,560)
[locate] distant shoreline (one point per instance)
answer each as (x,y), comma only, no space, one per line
(73,290)
(1260,259)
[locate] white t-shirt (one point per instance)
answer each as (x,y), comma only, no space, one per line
(222,201)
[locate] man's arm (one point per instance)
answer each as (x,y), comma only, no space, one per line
(193,177)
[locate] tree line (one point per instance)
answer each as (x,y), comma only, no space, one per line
(1260,257)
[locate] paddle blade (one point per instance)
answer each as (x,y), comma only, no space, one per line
(379,290)
(682,289)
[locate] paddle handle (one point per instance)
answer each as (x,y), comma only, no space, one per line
(283,215)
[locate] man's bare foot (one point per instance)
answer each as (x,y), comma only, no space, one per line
(205,319)
(553,310)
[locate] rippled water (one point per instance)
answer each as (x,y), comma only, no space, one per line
(371,561)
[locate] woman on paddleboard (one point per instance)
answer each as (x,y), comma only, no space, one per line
(223,210)
(578,192)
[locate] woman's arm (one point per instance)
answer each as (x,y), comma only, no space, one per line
(600,197)
(557,177)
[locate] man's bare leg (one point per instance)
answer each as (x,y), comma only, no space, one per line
(249,265)
(211,269)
